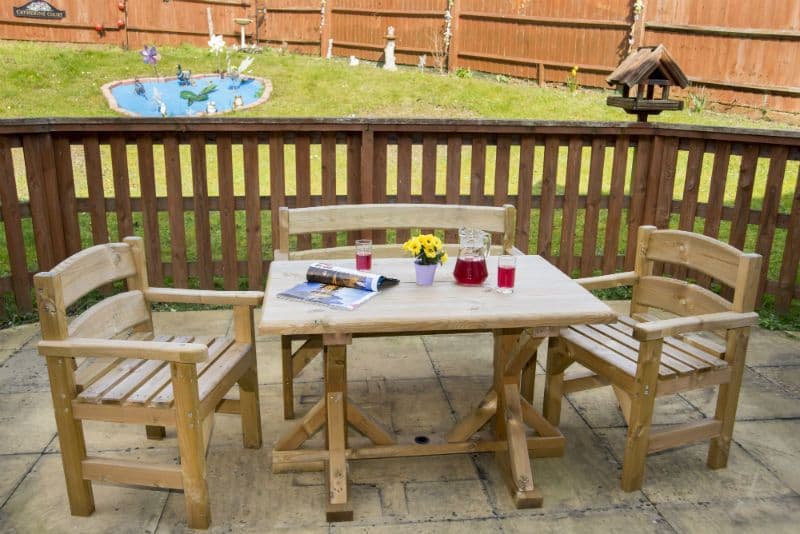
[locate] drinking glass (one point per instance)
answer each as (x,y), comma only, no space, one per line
(506,270)
(363,254)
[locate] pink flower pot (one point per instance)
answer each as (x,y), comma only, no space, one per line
(425,273)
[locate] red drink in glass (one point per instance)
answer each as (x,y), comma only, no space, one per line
(470,271)
(506,271)
(505,276)
(363,262)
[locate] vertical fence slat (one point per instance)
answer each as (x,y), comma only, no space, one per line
(202,226)
(666,188)
(641,163)
(227,212)
(66,191)
(691,185)
(453,179)
(525,192)
(403,178)
(12,222)
(329,181)
(152,237)
(380,174)
(569,211)
(277,185)
(302,158)
(477,171)
(38,203)
(616,199)
(592,213)
(429,155)
(716,198)
(94,184)
(51,195)
(716,194)
(252,199)
(177,231)
(122,187)
(353,176)
(691,190)
(654,171)
(544,242)
(501,170)
(791,255)
(769,211)
(744,195)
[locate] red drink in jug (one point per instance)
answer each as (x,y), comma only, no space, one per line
(470,271)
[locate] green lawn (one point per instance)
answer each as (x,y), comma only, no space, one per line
(64,80)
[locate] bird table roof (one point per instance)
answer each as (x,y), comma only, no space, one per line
(640,65)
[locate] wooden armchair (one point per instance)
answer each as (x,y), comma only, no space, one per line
(644,357)
(128,375)
(402,217)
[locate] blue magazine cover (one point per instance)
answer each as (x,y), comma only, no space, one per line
(337,287)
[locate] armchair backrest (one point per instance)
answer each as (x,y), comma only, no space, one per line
(85,271)
(390,216)
(726,264)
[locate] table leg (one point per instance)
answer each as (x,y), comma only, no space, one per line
(339,507)
(508,423)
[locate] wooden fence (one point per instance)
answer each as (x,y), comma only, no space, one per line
(581,190)
(741,53)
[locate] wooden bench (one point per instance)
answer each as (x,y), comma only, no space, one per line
(328,220)
(130,375)
(644,357)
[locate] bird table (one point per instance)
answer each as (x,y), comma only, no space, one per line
(544,300)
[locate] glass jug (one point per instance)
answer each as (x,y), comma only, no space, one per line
(473,249)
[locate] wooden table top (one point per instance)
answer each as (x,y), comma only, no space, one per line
(543,297)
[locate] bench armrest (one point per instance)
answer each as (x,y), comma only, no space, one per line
(204,296)
(608,280)
(121,348)
(696,323)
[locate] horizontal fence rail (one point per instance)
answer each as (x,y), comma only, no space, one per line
(205,194)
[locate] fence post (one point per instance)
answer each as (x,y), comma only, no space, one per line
(367,171)
(638,26)
(326,23)
(454,7)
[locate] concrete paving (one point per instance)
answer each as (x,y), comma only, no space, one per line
(418,386)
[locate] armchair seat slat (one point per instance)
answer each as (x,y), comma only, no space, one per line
(616,345)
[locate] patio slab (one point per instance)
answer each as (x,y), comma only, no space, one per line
(417,385)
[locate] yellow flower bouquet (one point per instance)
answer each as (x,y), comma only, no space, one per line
(427,249)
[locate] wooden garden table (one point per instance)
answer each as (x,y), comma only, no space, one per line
(544,300)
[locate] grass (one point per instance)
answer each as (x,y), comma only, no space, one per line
(64,80)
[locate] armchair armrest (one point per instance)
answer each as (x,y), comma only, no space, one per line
(516,252)
(121,348)
(608,280)
(278,254)
(204,296)
(696,323)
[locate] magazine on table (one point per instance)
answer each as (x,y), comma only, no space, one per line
(337,287)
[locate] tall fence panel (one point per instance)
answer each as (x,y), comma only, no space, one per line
(204,194)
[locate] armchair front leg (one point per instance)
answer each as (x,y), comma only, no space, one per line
(641,414)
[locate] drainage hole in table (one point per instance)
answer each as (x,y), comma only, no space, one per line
(421,440)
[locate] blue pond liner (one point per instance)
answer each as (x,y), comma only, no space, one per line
(250,89)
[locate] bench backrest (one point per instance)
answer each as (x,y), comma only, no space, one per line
(299,221)
(722,262)
(85,271)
